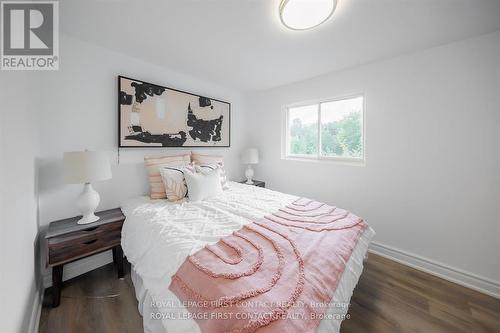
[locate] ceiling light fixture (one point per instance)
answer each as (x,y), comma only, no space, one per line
(305,14)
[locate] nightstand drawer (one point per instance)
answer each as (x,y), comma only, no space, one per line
(65,248)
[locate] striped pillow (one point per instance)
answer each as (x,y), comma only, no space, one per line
(153,165)
(206,159)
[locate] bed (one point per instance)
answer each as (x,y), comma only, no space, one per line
(158,236)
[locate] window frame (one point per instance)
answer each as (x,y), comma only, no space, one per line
(285,137)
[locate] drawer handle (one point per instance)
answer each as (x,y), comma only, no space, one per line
(90,242)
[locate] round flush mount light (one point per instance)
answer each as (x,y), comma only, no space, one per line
(305,14)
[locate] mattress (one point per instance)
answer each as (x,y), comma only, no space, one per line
(157,236)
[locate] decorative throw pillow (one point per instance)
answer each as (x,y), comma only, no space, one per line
(222,172)
(206,159)
(153,165)
(212,162)
(203,185)
(174,182)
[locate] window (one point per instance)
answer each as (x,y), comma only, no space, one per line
(329,130)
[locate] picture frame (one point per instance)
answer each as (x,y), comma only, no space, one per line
(155,116)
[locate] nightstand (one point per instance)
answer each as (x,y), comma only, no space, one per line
(68,241)
(258,183)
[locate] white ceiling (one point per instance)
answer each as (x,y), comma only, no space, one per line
(241,43)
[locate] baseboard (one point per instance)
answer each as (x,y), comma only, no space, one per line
(80,267)
(469,280)
(36,311)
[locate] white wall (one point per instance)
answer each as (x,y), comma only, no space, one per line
(431,183)
(79,111)
(19,277)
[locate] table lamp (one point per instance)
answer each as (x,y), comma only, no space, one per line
(250,156)
(84,167)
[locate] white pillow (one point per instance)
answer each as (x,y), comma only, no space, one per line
(174,182)
(203,185)
(222,172)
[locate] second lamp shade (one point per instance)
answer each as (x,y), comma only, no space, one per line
(250,156)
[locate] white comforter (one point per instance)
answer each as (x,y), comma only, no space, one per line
(157,237)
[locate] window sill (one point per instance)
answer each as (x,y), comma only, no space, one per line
(327,160)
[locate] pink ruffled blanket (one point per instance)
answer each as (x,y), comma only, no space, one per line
(274,275)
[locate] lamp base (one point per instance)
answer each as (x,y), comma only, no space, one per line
(87,203)
(249,174)
(88,219)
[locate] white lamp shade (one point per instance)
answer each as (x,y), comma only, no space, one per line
(250,156)
(86,167)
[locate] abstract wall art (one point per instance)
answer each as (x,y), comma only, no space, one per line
(151,115)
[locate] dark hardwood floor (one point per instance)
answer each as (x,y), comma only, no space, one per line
(95,302)
(390,297)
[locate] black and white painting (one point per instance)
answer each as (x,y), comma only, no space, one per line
(151,115)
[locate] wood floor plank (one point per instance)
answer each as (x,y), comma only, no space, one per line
(94,302)
(390,297)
